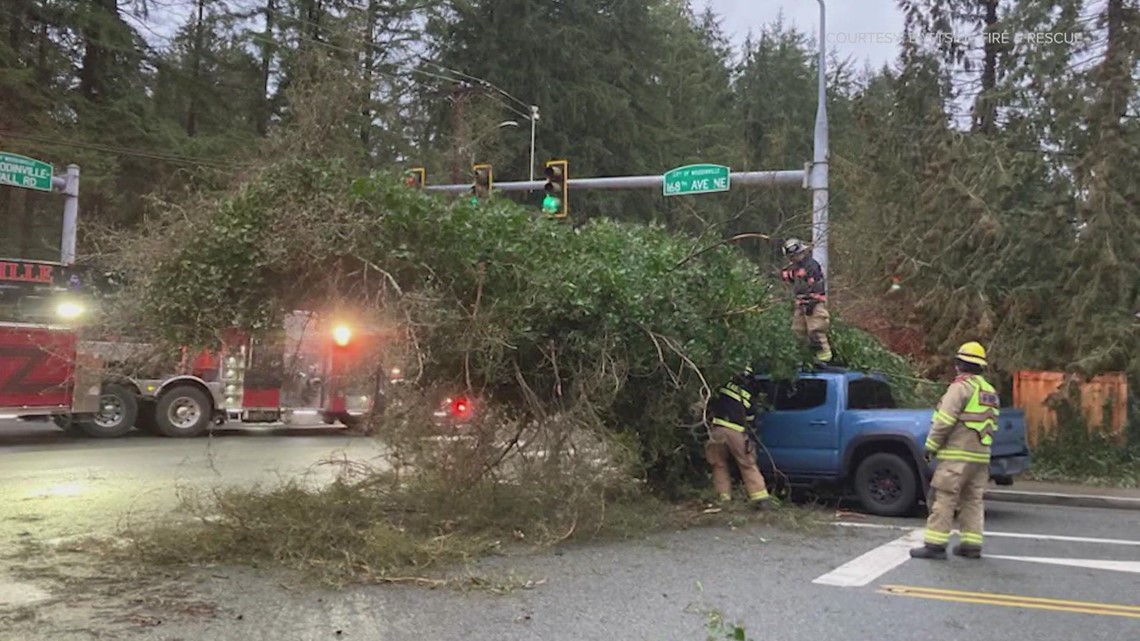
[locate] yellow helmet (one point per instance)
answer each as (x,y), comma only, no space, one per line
(972,352)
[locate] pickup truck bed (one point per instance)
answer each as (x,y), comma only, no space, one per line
(841,428)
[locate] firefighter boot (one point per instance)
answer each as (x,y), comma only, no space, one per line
(929,551)
(968,551)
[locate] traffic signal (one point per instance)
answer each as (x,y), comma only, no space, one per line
(556,203)
(416,177)
(484,181)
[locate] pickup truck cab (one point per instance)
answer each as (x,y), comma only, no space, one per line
(836,427)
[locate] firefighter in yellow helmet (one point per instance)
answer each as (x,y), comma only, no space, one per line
(961,434)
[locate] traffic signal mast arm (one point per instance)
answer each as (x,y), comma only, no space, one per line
(782,178)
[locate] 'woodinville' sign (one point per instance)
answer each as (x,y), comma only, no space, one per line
(21,171)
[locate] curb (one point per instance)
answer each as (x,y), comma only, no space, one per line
(1069,500)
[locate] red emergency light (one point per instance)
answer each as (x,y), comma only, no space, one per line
(460,407)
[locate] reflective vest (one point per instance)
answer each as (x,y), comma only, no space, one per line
(744,398)
(982,410)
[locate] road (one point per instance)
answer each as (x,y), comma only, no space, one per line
(53,484)
(1050,574)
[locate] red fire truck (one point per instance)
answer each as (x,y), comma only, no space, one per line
(328,367)
(41,370)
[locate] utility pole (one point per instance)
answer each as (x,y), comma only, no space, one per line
(818,178)
(456,118)
(533,120)
(458,96)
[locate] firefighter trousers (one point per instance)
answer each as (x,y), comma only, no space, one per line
(960,486)
(724,444)
(813,329)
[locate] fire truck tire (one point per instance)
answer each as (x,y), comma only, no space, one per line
(67,423)
(121,408)
(183,411)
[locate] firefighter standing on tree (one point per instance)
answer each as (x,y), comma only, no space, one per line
(731,412)
(961,434)
(810,319)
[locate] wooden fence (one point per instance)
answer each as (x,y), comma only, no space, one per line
(1032,391)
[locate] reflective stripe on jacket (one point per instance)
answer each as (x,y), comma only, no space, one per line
(734,405)
(963,425)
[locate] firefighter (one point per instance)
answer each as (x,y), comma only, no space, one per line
(810,319)
(961,434)
(731,412)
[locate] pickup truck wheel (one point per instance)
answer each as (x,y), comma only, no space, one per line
(886,484)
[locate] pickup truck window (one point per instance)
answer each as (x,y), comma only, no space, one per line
(802,394)
(869,394)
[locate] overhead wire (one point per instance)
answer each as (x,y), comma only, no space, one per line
(117,150)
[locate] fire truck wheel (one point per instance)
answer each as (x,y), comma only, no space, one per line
(118,409)
(183,411)
(68,424)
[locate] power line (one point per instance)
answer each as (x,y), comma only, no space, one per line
(124,151)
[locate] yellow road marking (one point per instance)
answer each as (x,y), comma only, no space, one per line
(1014,601)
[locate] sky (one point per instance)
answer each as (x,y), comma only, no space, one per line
(866,30)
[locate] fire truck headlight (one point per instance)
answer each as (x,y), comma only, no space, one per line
(342,334)
(69,310)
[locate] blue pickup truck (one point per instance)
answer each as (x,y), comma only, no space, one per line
(836,427)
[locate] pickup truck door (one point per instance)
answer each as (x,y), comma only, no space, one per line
(799,430)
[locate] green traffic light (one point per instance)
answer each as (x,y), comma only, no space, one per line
(474,200)
(551,204)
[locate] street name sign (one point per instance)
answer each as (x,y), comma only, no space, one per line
(21,171)
(695,179)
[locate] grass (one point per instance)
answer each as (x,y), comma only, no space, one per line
(1074,455)
(376,528)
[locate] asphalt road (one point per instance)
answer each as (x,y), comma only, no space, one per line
(53,485)
(1051,573)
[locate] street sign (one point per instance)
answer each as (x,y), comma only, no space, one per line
(21,171)
(695,179)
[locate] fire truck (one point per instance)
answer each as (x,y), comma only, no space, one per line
(328,366)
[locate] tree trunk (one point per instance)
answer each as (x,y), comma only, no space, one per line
(369,76)
(16,31)
(986,115)
(265,108)
(91,71)
(196,63)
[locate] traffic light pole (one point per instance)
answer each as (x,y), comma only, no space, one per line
(820,153)
(782,178)
(68,185)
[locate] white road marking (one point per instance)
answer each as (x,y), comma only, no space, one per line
(1009,535)
(1094,564)
(873,564)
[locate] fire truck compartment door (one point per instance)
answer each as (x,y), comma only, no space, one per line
(37,363)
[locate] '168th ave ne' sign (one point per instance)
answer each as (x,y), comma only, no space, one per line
(695,179)
(21,171)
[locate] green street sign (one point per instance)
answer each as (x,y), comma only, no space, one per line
(21,171)
(695,179)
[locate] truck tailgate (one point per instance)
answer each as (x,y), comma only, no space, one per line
(1009,439)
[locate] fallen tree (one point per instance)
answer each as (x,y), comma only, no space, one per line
(628,324)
